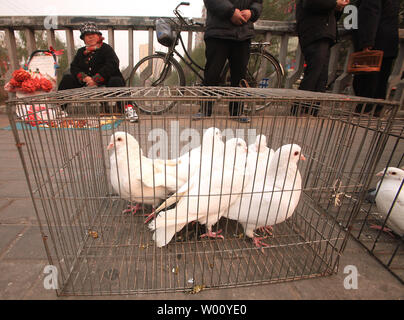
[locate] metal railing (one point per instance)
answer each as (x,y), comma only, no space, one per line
(284,31)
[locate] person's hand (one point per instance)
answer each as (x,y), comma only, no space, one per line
(341,4)
(246,14)
(238,18)
(89,82)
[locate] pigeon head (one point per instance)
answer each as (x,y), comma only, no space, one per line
(211,137)
(212,133)
(120,139)
(236,152)
(260,143)
(236,145)
(290,153)
(391,173)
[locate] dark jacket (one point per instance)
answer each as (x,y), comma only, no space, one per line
(378,26)
(219,13)
(316,19)
(101,66)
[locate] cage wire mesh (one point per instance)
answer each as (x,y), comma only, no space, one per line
(99,248)
(379,225)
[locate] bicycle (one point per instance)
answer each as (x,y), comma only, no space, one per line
(162,69)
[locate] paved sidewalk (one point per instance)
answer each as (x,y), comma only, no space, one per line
(23,258)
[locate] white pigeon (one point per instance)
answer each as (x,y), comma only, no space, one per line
(271,199)
(207,196)
(390,198)
(212,145)
(259,156)
(212,148)
(135,177)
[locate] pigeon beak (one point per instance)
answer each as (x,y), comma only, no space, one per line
(302,157)
(380,174)
(110,146)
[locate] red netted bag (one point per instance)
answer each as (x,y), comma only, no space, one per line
(46,85)
(21,75)
(14,83)
(28,86)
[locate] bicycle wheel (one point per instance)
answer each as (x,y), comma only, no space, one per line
(263,71)
(152,71)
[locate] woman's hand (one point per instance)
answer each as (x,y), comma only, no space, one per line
(89,82)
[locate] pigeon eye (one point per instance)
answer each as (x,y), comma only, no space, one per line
(394,173)
(119,139)
(296,153)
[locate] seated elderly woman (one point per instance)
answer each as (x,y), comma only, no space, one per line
(94,65)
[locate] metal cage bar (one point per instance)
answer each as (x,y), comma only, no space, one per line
(80,194)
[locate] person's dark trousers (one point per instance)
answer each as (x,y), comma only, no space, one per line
(218,51)
(373,85)
(317,58)
(70,82)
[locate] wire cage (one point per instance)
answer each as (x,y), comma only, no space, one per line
(80,194)
(375,226)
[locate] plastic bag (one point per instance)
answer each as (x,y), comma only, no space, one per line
(165,33)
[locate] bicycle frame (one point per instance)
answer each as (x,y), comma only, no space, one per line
(187,59)
(190,63)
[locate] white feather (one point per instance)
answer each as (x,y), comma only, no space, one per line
(270,199)
(207,195)
(390,198)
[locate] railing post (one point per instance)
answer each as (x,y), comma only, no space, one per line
(333,64)
(111,37)
(189,46)
(70,45)
(150,41)
(268,36)
(131,59)
(11,48)
(345,78)
(131,56)
(398,68)
(30,36)
(50,36)
(283,50)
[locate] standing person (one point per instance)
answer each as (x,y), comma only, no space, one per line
(378,30)
(95,64)
(316,23)
(229,30)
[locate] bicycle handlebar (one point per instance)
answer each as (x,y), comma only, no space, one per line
(182,4)
(182,19)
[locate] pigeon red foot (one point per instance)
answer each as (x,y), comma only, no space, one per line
(212,234)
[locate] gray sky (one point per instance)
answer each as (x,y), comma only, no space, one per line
(98,7)
(103,8)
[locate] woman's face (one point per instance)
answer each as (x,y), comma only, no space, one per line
(91,39)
